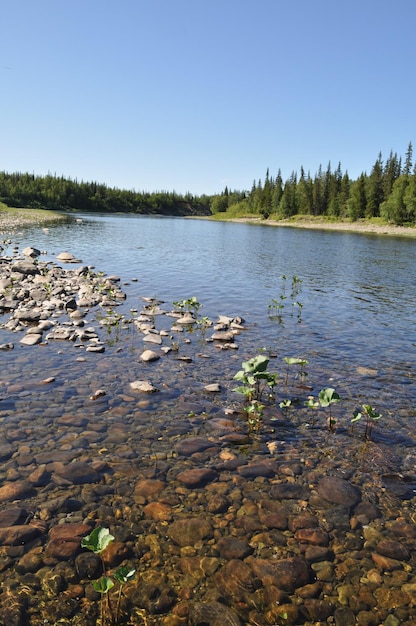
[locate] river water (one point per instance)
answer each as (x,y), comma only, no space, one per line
(342,301)
(354,299)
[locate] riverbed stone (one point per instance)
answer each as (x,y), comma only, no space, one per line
(197,477)
(147,487)
(392,549)
(158,511)
(77,473)
(31,339)
(188,532)
(287,574)
(212,614)
(233,548)
(149,355)
(191,445)
(18,535)
(65,540)
(235,580)
(338,491)
(15,490)
(144,386)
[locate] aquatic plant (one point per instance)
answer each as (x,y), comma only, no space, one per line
(370,414)
(312,404)
(254,413)
(256,381)
(296,283)
(326,398)
(275,308)
(255,378)
(295,361)
(299,307)
(192,305)
(276,305)
(97,541)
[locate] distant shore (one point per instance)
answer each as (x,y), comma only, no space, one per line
(12,219)
(357,227)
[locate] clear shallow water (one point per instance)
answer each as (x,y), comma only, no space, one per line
(357,292)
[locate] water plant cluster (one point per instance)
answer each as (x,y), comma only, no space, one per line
(277,307)
(97,542)
(259,385)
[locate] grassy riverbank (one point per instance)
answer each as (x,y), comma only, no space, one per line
(375,226)
(13,218)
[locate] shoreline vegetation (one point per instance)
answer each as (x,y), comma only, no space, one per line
(374,227)
(384,196)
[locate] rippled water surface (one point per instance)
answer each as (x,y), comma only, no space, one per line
(356,297)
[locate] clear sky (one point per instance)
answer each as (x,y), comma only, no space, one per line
(194,95)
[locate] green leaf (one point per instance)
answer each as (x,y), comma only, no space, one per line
(124,574)
(258,363)
(328,396)
(103,584)
(97,540)
(247,391)
(291,360)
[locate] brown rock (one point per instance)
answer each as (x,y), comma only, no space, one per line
(12,517)
(78,473)
(65,540)
(18,535)
(235,580)
(187,532)
(197,477)
(187,447)
(233,548)
(289,491)
(286,574)
(115,553)
(385,563)
(147,487)
(253,470)
(15,491)
(314,536)
(338,491)
(158,511)
(392,549)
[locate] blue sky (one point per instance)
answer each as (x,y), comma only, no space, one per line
(194,95)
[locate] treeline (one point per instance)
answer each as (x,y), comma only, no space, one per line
(388,192)
(59,193)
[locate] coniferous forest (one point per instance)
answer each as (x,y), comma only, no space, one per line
(388,192)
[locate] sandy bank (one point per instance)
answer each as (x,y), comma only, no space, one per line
(12,219)
(357,227)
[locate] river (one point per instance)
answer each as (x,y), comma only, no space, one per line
(343,302)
